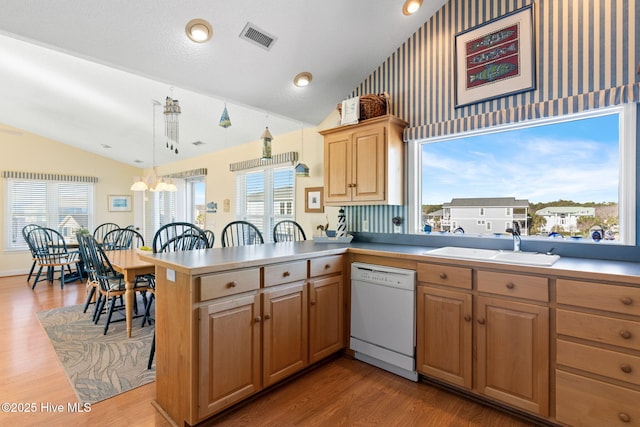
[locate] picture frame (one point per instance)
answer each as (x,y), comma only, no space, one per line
(495,59)
(314,199)
(119,203)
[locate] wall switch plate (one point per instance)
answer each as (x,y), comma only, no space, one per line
(171,275)
(365,225)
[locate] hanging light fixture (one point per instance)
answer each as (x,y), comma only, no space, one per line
(171,123)
(153,182)
(225,121)
(266,144)
(301,169)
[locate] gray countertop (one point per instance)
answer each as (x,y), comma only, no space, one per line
(220,259)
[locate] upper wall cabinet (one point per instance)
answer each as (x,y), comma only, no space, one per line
(364,163)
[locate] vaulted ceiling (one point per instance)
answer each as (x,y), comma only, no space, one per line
(86,73)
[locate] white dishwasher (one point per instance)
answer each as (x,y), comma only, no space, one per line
(383,317)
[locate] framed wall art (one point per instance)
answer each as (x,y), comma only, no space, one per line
(495,59)
(314,202)
(119,203)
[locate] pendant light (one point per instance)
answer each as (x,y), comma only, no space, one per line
(301,169)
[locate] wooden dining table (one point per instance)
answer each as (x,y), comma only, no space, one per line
(129,263)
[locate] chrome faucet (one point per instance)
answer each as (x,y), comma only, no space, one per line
(515,231)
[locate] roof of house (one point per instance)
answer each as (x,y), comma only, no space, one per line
(566,210)
(509,202)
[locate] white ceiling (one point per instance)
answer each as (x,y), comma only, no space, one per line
(86,73)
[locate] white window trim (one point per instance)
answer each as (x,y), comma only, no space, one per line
(627,178)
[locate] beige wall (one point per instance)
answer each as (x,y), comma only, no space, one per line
(27,152)
(31,153)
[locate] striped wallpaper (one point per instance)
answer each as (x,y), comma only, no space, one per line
(587,55)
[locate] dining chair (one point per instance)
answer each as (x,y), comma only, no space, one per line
(92,282)
(179,236)
(288,231)
(25,231)
(122,238)
(50,251)
(111,284)
(211,238)
(241,233)
(101,230)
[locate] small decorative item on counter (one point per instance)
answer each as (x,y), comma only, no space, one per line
(342,224)
(426,228)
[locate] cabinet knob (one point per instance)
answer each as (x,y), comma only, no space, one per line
(286,274)
(625,334)
(626,368)
(481,321)
(267,316)
(257,319)
(510,285)
(624,417)
(467,318)
(626,300)
(312,302)
(327,266)
(231,284)
(443,276)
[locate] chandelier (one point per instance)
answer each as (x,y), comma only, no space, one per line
(171,123)
(153,182)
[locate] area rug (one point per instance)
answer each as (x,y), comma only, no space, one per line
(98,366)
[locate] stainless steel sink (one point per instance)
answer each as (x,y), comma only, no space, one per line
(507,257)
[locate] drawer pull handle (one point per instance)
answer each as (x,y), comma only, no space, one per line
(626,300)
(257,319)
(510,285)
(231,284)
(626,368)
(443,276)
(267,316)
(481,321)
(467,318)
(327,266)
(286,274)
(625,334)
(624,417)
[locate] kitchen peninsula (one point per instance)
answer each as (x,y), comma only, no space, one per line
(234,321)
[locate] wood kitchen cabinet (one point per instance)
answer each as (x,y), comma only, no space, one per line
(326,307)
(285,324)
(597,353)
(364,163)
(513,340)
(444,323)
(510,334)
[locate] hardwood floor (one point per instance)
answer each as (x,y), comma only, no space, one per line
(342,392)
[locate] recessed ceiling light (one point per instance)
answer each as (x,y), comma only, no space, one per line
(411,6)
(199,30)
(302,79)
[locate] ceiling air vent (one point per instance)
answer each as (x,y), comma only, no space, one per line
(196,143)
(255,35)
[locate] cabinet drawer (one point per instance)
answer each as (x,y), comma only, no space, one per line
(325,265)
(459,277)
(616,298)
(514,285)
(229,283)
(608,363)
(582,401)
(607,330)
(276,274)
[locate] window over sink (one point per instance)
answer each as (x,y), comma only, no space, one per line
(571,178)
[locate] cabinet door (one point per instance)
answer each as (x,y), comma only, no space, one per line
(229,364)
(326,325)
(513,353)
(368,165)
(337,167)
(285,329)
(444,335)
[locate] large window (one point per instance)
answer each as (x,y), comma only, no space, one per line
(266,197)
(63,206)
(564,178)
